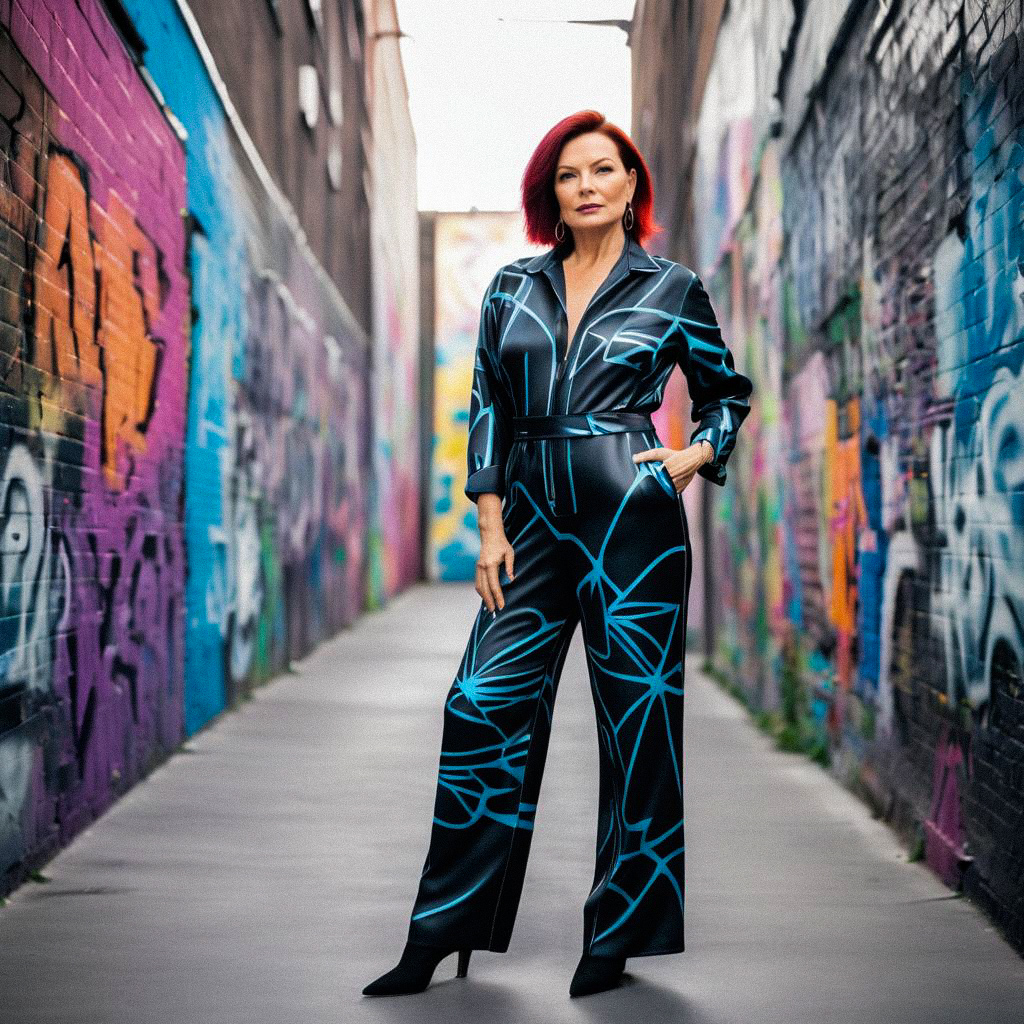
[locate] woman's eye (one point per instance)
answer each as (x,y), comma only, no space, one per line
(568,174)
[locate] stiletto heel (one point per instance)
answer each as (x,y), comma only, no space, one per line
(415,969)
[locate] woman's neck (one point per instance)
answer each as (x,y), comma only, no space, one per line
(591,249)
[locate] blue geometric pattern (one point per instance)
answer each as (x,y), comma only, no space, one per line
(601,542)
(648,316)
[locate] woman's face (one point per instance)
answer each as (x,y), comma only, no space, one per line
(591,182)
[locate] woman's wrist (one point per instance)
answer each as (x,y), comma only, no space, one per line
(488,511)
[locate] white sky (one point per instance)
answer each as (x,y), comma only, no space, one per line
(483,91)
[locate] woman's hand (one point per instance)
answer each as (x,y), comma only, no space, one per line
(681,464)
(495,550)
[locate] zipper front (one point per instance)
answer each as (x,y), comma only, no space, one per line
(563,348)
(563,330)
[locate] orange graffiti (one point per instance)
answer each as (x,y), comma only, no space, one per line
(65,287)
(846,516)
(129,303)
(67,346)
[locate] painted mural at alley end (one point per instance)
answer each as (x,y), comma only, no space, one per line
(93,321)
(468,249)
(873,541)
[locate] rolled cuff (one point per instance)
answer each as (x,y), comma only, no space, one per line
(713,470)
(489,480)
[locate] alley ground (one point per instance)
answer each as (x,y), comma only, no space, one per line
(265,873)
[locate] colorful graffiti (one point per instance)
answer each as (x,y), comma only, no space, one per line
(179,374)
(395,542)
(885,624)
(277,456)
(94,377)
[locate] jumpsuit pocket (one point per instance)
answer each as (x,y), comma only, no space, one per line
(665,479)
(654,468)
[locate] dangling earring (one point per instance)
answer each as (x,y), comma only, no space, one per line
(627,217)
(562,226)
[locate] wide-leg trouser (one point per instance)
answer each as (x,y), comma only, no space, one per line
(602,541)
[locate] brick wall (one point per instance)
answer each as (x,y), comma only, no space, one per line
(865,244)
(94,322)
(185,428)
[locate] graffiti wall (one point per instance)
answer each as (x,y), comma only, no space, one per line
(468,250)
(277,455)
(94,317)
(185,450)
(872,253)
(395,533)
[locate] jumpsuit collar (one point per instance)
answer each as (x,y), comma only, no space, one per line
(635,255)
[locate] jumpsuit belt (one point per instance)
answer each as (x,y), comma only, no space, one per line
(554,431)
(579,424)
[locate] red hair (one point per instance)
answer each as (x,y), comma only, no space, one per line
(540,205)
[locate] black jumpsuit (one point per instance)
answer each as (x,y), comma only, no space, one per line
(598,539)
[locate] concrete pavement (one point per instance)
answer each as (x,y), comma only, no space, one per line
(266,873)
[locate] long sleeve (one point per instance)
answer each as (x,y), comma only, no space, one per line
(720,394)
(490,425)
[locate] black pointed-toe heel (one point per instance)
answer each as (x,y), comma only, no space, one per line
(596,974)
(415,969)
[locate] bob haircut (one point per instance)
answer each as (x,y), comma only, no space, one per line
(539,203)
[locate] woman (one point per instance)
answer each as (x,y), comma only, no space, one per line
(581,521)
